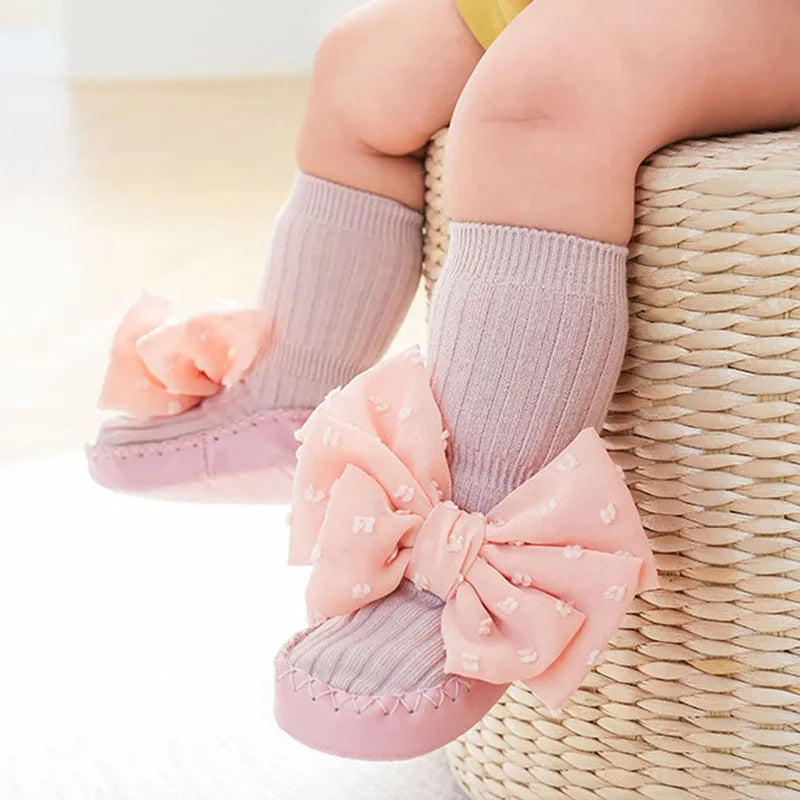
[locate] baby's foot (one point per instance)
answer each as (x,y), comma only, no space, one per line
(198,426)
(343,268)
(215,451)
(432,611)
(373,684)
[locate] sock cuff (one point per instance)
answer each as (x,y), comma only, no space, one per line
(552,261)
(334,204)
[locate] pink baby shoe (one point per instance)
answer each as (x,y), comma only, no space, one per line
(192,428)
(531,591)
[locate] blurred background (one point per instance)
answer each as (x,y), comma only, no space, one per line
(145,144)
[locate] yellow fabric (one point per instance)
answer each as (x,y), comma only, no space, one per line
(487,18)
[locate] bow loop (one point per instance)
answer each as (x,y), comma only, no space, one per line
(162,365)
(533,591)
(578,500)
(502,631)
(363,530)
(383,422)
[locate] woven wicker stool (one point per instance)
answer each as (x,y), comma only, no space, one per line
(699,694)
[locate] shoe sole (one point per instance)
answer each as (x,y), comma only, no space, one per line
(250,460)
(382,727)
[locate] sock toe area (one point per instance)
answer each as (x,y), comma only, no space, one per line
(372,685)
(391,646)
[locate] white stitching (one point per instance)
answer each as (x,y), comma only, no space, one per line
(124,451)
(411,702)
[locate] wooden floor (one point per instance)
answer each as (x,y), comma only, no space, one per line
(105,190)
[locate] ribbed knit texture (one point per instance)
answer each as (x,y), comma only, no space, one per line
(342,272)
(528,333)
(391,646)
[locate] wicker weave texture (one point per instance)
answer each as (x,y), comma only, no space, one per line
(698,696)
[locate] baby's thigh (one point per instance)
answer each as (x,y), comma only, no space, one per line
(574,94)
(390,73)
(647,72)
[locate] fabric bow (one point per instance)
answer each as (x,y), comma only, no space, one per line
(533,590)
(162,365)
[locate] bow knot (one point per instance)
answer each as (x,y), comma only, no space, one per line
(532,591)
(445,549)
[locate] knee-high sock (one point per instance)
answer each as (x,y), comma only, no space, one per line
(528,332)
(342,272)
(527,338)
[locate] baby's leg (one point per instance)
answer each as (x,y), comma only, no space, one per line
(385,79)
(346,255)
(388,79)
(529,327)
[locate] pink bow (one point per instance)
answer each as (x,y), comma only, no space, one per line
(162,366)
(533,590)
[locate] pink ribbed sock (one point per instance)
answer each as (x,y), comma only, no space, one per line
(528,332)
(392,646)
(342,271)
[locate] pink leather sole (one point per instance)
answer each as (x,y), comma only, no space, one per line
(379,728)
(252,459)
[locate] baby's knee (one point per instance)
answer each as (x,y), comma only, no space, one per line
(549,94)
(334,78)
(361,93)
(340,117)
(538,140)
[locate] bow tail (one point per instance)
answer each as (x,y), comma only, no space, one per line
(500,632)
(601,585)
(554,686)
(359,556)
